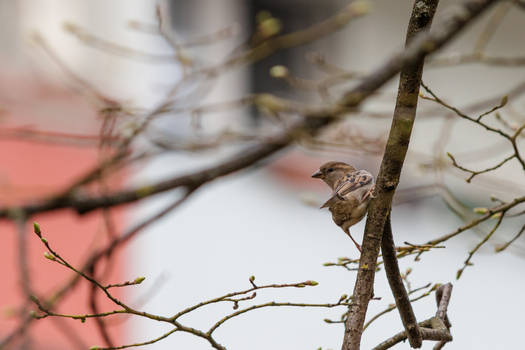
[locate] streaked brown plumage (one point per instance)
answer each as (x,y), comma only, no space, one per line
(352,190)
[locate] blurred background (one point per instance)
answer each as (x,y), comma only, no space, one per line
(59,59)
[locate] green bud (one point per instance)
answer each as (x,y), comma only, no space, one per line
(481,210)
(278,71)
(49,256)
(33,313)
(252,278)
(311,283)
(263,16)
(270,27)
(139,280)
(145,191)
(360,7)
(504,101)
(43,240)
(36,228)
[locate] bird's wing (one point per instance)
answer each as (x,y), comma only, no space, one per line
(352,182)
(355,184)
(331,201)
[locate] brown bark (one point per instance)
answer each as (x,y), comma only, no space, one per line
(435,328)
(390,171)
(398,289)
(405,111)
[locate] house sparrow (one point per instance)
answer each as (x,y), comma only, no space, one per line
(352,190)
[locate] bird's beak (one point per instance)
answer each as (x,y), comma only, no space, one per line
(318,174)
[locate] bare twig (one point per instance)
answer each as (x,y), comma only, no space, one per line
(512,138)
(435,328)
(506,245)
(117,49)
(23,265)
(99,321)
(488,215)
(392,307)
(491,27)
(479,245)
(148,342)
(474,173)
(499,61)
(90,262)
(53,255)
(25,278)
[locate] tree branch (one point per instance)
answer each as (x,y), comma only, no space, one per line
(390,171)
(399,138)
(435,328)
(490,212)
(394,306)
(406,106)
(234,297)
(403,304)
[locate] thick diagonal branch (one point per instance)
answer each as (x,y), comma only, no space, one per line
(405,112)
(389,173)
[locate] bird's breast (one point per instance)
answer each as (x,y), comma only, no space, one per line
(348,211)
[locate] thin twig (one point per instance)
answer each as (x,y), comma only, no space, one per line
(478,120)
(148,342)
(394,306)
(488,215)
(474,173)
(479,245)
(435,328)
(506,245)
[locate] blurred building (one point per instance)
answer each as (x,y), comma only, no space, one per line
(48,139)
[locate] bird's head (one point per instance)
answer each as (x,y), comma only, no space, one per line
(332,171)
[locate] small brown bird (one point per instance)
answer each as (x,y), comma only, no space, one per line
(352,190)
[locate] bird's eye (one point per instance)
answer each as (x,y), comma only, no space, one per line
(330,170)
